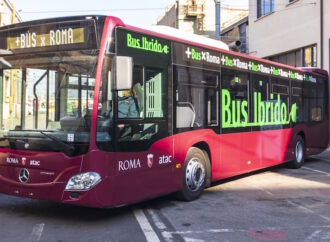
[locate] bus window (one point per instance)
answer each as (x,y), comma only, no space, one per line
(237,85)
(260,93)
(314,104)
(296,98)
(281,88)
(141,113)
(154,94)
(131,102)
(197,98)
(105,109)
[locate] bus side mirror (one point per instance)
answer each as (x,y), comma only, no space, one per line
(124,72)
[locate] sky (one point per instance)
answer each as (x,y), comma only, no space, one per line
(133,12)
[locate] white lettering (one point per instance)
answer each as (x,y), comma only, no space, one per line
(11,160)
(165,159)
(22,41)
(70,36)
(34,163)
(28,40)
(129,164)
(34,39)
(58,37)
(64,37)
(52,37)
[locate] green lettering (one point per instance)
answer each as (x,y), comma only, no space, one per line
(268,111)
(245,113)
(226,113)
(284,114)
(278,110)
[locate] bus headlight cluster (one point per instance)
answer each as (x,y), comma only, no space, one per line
(83,182)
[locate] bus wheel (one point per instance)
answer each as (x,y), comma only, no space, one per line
(195,175)
(299,153)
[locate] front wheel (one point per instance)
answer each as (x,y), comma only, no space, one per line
(299,153)
(195,175)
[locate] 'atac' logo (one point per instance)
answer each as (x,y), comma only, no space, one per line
(165,159)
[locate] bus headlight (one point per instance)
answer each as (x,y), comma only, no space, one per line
(83,182)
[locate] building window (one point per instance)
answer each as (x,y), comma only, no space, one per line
(242,37)
(305,57)
(292,58)
(310,56)
(264,7)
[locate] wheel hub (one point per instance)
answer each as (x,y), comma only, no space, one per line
(195,175)
(299,152)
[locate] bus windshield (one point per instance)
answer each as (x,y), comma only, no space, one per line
(46,100)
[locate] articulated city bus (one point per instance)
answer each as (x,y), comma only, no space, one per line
(97,113)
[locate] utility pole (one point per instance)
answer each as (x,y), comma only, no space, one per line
(321,34)
(217,19)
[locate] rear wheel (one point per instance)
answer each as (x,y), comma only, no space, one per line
(299,153)
(195,175)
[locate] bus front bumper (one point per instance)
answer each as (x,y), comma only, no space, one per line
(55,192)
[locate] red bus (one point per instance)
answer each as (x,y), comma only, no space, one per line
(131,114)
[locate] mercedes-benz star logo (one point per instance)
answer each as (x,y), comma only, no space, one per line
(24,175)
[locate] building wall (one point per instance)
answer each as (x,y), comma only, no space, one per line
(327,35)
(170,18)
(290,27)
(6,11)
(203,23)
(237,31)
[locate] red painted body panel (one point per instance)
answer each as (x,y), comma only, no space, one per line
(231,155)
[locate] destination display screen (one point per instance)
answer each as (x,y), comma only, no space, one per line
(72,35)
(144,48)
(205,58)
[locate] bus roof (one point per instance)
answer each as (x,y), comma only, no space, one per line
(50,20)
(173,32)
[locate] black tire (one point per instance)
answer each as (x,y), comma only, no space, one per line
(195,175)
(299,153)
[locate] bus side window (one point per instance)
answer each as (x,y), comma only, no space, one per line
(296,98)
(155,93)
(237,85)
(197,98)
(260,88)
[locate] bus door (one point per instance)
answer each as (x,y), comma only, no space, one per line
(143,142)
(197,111)
(144,147)
(315,98)
(238,151)
(276,138)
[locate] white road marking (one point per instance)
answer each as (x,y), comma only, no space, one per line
(146,227)
(161,226)
(313,235)
(36,233)
(293,204)
(319,158)
(192,240)
(318,171)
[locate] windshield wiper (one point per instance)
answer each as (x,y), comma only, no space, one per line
(67,147)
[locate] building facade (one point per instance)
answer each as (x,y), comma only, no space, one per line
(199,17)
(292,32)
(237,31)
(11,83)
(8,14)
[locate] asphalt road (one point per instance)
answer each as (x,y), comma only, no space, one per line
(279,204)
